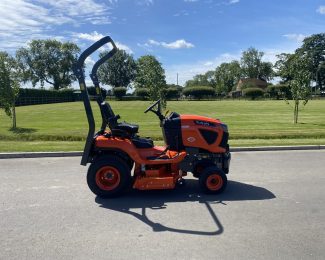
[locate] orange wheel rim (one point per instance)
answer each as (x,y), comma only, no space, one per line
(108,178)
(214,182)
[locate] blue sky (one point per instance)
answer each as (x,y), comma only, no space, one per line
(187,36)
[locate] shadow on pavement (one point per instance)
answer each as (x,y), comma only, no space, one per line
(155,200)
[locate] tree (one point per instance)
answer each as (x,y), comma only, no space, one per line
(151,75)
(279,91)
(226,77)
(313,49)
(48,61)
(295,70)
(118,71)
(206,79)
(282,66)
(253,67)
(300,84)
(9,86)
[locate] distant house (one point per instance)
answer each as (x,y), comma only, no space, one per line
(249,82)
(252,83)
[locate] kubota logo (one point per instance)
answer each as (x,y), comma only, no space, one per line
(191,139)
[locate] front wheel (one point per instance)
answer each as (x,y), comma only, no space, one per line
(213,180)
(108,176)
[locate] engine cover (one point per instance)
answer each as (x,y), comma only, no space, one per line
(204,132)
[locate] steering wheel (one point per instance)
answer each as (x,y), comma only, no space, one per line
(152,106)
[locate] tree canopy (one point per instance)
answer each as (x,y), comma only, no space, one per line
(118,71)
(313,51)
(150,75)
(206,79)
(253,67)
(226,76)
(48,61)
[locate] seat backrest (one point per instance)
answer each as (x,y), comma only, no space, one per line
(106,110)
(107,115)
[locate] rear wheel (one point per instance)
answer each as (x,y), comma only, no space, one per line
(108,176)
(213,180)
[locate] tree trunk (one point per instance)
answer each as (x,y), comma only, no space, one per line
(295,116)
(14,125)
(56,84)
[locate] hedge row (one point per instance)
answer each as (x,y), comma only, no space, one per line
(199,92)
(28,96)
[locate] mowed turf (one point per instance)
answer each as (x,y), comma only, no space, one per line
(64,126)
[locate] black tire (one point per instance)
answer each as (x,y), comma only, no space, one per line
(200,167)
(108,176)
(213,180)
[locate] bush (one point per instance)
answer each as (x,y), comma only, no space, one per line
(198,92)
(172,93)
(143,93)
(119,92)
(253,93)
(279,91)
(92,91)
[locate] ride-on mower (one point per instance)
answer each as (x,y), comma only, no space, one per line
(193,144)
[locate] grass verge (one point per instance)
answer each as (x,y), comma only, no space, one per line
(63,127)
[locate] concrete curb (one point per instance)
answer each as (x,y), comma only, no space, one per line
(236,149)
(38,154)
(277,148)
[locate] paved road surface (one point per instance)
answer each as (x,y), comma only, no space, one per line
(274,208)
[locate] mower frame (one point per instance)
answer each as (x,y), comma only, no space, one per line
(78,70)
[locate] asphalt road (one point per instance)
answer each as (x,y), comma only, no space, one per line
(273,208)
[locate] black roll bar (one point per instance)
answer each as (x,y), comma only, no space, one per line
(78,70)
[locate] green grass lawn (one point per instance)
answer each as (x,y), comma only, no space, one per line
(63,127)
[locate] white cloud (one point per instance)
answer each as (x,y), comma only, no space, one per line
(190,1)
(124,47)
(321,9)
(145,2)
(233,1)
(95,36)
(98,20)
(182,13)
(89,61)
(208,63)
(23,20)
(296,37)
(178,44)
(77,7)
(189,70)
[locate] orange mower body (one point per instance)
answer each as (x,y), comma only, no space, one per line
(120,159)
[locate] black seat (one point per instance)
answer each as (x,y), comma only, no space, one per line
(142,142)
(126,127)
